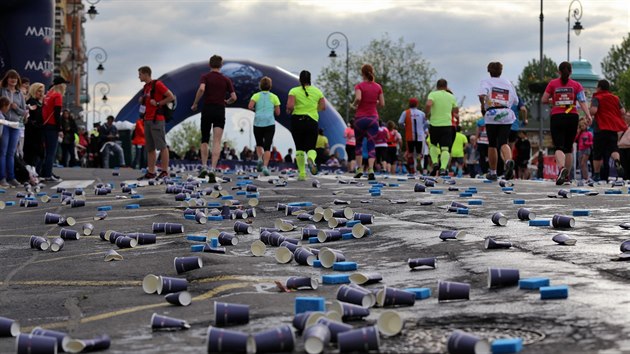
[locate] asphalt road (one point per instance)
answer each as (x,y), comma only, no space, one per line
(76,291)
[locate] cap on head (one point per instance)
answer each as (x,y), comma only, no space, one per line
(413,102)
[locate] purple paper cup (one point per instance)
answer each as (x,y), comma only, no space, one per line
(61,338)
(337,222)
(200,217)
(66,221)
(304,217)
(251,188)
(452,234)
(625,246)
(365,219)
(68,234)
(305,319)
(144,238)
(394,297)
(335,327)
(491,244)
(181,298)
(302,283)
(185,264)
(460,342)
(275,239)
(158,227)
(450,290)
(51,218)
(364,339)
(290,245)
(564,239)
(356,294)
(389,323)
(365,278)
(226,314)
(159,322)
(167,285)
(227,239)
(276,340)
(341,202)
(525,214)
(419,187)
(113,235)
(328,257)
(346,213)
(502,277)
(39,243)
(499,219)
(283,255)
(303,256)
(316,338)
(77,203)
(221,340)
(348,311)
(562,221)
(173,228)
(56,244)
(126,242)
(243,228)
(328,235)
(258,248)
(430,262)
(102,342)
(9,327)
(429,183)
(34,344)
(87,229)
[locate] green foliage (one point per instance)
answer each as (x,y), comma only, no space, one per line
(623,88)
(531,74)
(398,67)
(185,135)
(617,62)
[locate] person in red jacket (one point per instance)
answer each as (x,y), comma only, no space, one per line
(608,124)
(138,141)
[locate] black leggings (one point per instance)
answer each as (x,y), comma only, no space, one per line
(563,130)
(304,131)
(264,136)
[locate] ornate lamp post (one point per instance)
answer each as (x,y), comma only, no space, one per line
(103,88)
(92,10)
(100,55)
(577,27)
(333,43)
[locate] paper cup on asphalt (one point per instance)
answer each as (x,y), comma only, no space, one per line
(389,323)
(113,256)
(9,327)
(102,342)
(328,235)
(302,283)
(150,283)
(491,243)
(450,290)
(182,298)
(316,338)
(364,339)
(290,245)
(360,230)
(173,228)
(303,320)
(227,239)
(337,222)
(34,344)
(564,239)
(365,278)
(357,295)
(258,248)
(226,314)
(39,242)
(68,234)
(562,221)
(303,256)
(143,238)
(283,255)
(276,340)
(349,311)
(499,219)
(243,228)
(159,322)
(126,242)
(335,327)
(77,203)
(167,285)
(56,244)
(185,264)
(365,219)
(460,342)
(329,256)
(51,218)
(394,297)
(525,214)
(501,277)
(418,188)
(221,340)
(452,234)
(158,227)
(414,263)
(61,338)
(625,246)
(87,229)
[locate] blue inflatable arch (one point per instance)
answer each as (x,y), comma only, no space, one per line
(245,76)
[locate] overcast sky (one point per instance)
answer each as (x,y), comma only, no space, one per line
(458,38)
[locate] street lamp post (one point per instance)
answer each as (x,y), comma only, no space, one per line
(540,104)
(100,55)
(333,43)
(92,10)
(104,90)
(577,27)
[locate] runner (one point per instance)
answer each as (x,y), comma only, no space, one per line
(415,124)
(267,107)
(440,108)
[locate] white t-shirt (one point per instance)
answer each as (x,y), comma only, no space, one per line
(499,95)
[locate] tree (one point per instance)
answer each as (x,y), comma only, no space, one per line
(182,137)
(623,88)
(399,69)
(531,75)
(617,61)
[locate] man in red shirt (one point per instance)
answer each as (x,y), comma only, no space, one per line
(213,87)
(51,116)
(608,123)
(154,96)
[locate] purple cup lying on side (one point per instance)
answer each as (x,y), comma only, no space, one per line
(362,340)
(221,340)
(460,342)
(450,290)
(276,340)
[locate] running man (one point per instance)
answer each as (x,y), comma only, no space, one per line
(440,108)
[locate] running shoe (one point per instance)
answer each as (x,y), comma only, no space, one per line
(259,166)
(435,170)
(443,172)
(371,176)
(562,177)
(312,166)
(162,174)
(359,173)
(491,176)
(618,167)
(509,169)
(265,171)
(212,178)
(302,177)
(203,173)
(14,183)
(147,175)
(4,184)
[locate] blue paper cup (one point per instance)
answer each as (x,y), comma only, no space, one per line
(357,295)
(226,314)
(491,244)
(276,340)
(364,339)
(449,290)
(349,311)
(499,219)
(562,221)
(502,277)
(525,214)
(31,344)
(181,298)
(460,342)
(316,338)
(160,322)
(9,327)
(185,264)
(394,297)
(167,285)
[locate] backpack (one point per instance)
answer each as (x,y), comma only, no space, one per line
(166,110)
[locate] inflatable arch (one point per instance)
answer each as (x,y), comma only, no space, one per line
(245,75)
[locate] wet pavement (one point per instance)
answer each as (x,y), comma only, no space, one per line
(76,291)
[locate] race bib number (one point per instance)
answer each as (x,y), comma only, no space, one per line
(563,96)
(499,97)
(142,109)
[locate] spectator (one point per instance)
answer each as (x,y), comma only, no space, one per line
(81,145)
(394,142)
(33,130)
(333,161)
(108,135)
(93,153)
(10,88)
(288,158)
(172,155)
(320,146)
(225,152)
(275,155)
(380,144)
(471,156)
(192,154)
(51,113)
(523,154)
(247,154)
(232,155)
(138,141)
(69,129)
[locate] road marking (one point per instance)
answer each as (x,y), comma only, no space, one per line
(74,184)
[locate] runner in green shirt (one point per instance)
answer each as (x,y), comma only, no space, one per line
(439,109)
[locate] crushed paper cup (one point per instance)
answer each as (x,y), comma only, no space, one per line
(112,255)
